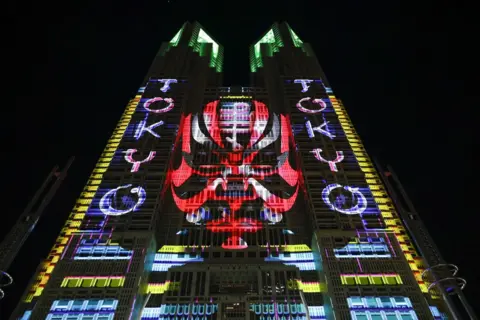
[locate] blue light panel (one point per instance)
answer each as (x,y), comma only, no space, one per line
(179,310)
(102,253)
(83,305)
(363,251)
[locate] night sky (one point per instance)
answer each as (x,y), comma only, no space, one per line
(404,73)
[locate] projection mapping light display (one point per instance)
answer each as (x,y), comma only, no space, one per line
(149,104)
(332,163)
(136,164)
(235,135)
(114,204)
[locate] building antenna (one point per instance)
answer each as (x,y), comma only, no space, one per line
(441,276)
(14,240)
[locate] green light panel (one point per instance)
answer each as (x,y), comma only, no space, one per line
(176,38)
(296,40)
(203,37)
(274,43)
(216,58)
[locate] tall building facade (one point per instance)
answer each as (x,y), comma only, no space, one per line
(214,202)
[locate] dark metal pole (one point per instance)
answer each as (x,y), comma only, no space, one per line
(422,239)
(13,242)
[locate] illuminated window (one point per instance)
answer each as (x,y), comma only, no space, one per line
(371,302)
(101,283)
(95,316)
(386,302)
(92,304)
(402,302)
(384,315)
(355,301)
(77,305)
(256,56)
(377,280)
(390,316)
(376,316)
(363,280)
(26,315)
(373,279)
(361,316)
(60,305)
(108,304)
(362,251)
(87,283)
(117,282)
(102,252)
(73,283)
(350,280)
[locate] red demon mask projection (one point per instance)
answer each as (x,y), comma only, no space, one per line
(235,133)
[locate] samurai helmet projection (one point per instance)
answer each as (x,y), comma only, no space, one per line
(235,134)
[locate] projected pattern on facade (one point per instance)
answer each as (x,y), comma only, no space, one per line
(207,195)
(235,133)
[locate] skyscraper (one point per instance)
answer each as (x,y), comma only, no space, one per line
(256,202)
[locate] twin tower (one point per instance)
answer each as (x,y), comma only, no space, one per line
(256,202)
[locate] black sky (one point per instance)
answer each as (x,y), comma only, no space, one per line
(405,74)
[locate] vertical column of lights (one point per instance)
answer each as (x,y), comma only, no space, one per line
(387,210)
(78,213)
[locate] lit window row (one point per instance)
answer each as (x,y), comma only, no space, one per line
(163,267)
(307,287)
(379,302)
(80,316)
(290,247)
(437,314)
(362,251)
(180,257)
(102,253)
(88,282)
(371,279)
(84,305)
(383,315)
(303,266)
(388,212)
(92,242)
(302,260)
(178,318)
(285,317)
(164,261)
(179,309)
(295,256)
(160,288)
(26,315)
(316,312)
(179,249)
(372,240)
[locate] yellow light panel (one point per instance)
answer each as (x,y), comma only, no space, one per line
(89,192)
